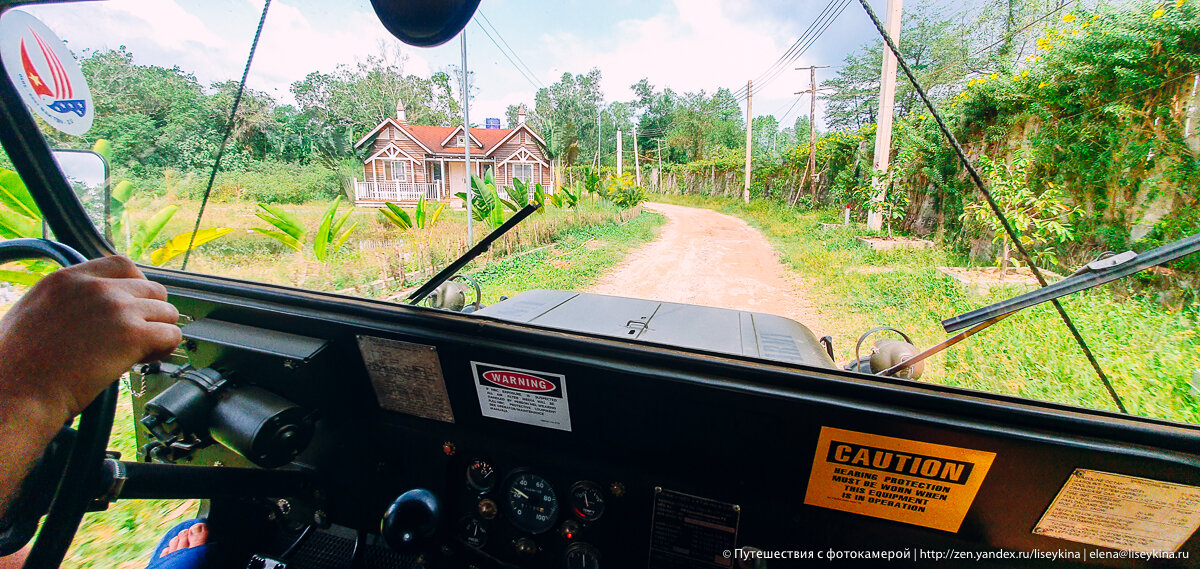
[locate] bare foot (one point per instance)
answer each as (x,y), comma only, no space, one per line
(194,536)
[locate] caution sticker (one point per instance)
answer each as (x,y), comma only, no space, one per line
(1122,512)
(522,396)
(914,482)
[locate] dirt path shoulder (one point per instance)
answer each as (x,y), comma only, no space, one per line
(712,259)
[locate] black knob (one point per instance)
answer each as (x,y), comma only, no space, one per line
(411,519)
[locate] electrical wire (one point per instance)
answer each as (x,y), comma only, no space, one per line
(531,81)
(510,49)
(781,61)
(824,21)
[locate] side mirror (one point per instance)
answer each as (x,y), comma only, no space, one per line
(87,172)
(425,23)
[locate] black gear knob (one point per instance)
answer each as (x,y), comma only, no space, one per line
(411,519)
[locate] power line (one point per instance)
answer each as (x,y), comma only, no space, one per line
(510,49)
(506,56)
(824,21)
(780,62)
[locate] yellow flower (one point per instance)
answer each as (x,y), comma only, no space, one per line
(993,76)
(1016,77)
(1074,33)
(1025,73)
(1084,25)
(1178,3)
(1069,18)
(1159,12)
(1043,85)
(970,83)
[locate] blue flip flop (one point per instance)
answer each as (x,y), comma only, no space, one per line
(190,558)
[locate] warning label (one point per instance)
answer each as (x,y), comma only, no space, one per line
(691,531)
(1122,512)
(914,482)
(407,378)
(522,396)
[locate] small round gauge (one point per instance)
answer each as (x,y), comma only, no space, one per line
(530,503)
(587,500)
(481,476)
(472,532)
(583,556)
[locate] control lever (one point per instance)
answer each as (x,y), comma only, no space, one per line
(411,520)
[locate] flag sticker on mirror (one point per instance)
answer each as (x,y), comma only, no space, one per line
(45,73)
(407,378)
(1122,512)
(902,480)
(522,396)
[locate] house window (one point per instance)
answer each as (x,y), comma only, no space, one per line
(397,170)
(523,171)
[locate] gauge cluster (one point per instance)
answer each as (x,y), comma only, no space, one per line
(524,515)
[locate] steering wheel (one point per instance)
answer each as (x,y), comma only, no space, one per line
(77,484)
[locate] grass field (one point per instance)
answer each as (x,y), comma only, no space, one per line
(124,536)
(1148,352)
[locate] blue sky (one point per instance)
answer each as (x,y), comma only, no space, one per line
(687,45)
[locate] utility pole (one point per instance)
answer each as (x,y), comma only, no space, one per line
(883,132)
(749,128)
(597,140)
(658,183)
(467,136)
(812,124)
(637,165)
(620,159)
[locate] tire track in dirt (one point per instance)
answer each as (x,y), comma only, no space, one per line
(712,259)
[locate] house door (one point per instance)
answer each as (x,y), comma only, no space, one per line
(457,174)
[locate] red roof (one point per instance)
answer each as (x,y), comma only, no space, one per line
(432,137)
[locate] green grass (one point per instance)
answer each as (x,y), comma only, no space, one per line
(1148,352)
(578,258)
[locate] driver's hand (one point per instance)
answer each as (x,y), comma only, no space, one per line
(78,330)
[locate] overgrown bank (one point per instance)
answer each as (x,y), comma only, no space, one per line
(1148,351)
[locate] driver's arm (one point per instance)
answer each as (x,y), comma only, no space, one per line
(66,340)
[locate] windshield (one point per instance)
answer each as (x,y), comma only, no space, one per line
(346,167)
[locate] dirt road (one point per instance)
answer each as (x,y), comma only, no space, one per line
(713,259)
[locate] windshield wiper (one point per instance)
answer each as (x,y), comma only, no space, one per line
(479,248)
(1093,274)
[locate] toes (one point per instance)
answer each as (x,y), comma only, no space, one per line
(171,546)
(185,540)
(199,535)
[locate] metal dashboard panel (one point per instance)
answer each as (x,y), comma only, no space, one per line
(718,330)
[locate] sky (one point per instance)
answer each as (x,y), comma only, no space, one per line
(687,45)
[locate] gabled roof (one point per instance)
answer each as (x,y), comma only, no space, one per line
(440,139)
(375,132)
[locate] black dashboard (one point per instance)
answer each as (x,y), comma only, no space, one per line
(449,440)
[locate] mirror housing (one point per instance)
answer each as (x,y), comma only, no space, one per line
(425,23)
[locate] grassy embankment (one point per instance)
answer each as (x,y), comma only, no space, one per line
(124,536)
(1148,352)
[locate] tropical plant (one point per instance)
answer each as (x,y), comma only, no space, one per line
(329,236)
(486,204)
(623,191)
(421,218)
(1040,219)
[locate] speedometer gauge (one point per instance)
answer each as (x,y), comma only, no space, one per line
(530,503)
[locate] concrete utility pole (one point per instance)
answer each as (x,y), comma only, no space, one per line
(467,135)
(658,182)
(749,128)
(887,98)
(620,159)
(812,124)
(597,140)
(637,165)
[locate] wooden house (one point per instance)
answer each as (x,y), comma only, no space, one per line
(406,161)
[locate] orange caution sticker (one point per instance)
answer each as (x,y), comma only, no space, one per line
(914,482)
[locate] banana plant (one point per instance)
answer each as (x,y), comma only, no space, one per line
(289,231)
(487,205)
(421,217)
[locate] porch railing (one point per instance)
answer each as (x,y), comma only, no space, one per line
(388,191)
